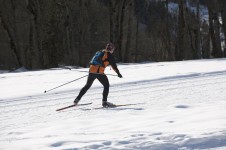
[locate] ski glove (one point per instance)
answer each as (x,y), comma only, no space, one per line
(119,75)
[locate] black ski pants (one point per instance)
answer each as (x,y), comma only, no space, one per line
(103,80)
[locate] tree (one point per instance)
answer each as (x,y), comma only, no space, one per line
(40,34)
(117,9)
(35,37)
(181,31)
(222,5)
(8,18)
(129,31)
(198,53)
(214,28)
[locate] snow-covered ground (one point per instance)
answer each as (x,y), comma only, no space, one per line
(179,105)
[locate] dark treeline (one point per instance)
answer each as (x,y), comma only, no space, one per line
(38,34)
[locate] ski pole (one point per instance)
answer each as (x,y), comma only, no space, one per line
(64,84)
(88,71)
(97,73)
(105,74)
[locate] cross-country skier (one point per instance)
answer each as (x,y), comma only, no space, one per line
(97,66)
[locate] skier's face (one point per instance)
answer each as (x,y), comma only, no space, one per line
(111,51)
(110,47)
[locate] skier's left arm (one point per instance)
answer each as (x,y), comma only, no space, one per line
(113,65)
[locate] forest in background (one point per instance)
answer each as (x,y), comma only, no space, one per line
(39,34)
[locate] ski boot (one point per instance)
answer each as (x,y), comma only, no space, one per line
(108,104)
(76,101)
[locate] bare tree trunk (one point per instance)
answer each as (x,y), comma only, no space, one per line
(223,15)
(114,24)
(218,52)
(120,38)
(38,25)
(117,14)
(81,34)
(37,55)
(168,43)
(11,29)
(84,34)
(129,33)
(137,37)
(69,40)
(181,32)
(111,12)
(205,40)
(198,46)
(214,28)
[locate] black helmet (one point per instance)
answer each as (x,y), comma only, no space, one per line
(110,46)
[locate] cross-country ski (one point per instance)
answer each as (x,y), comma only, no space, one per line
(73,105)
(112,107)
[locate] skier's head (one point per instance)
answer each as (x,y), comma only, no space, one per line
(110,47)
